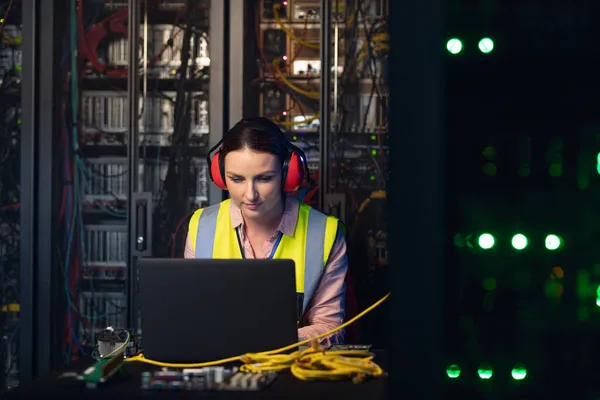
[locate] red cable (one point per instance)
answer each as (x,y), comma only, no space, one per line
(13,206)
(174,236)
(115,23)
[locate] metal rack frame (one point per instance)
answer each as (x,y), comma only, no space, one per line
(38,289)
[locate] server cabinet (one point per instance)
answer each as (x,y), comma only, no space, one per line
(112,159)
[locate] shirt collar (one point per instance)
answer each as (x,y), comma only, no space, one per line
(287,224)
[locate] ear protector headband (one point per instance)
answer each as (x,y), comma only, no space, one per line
(294,169)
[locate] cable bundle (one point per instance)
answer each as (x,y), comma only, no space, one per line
(310,364)
(316,363)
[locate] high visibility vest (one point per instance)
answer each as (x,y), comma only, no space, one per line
(212,236)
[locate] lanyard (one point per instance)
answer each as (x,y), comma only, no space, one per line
(272,251)
(276,245)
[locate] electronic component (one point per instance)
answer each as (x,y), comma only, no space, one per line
(378,9)
(102,370)
(267,10)
(274,44)
(305,123)
(307,12)
(106,181)
(155,173)
(310,10)
(164,50)
(162,4)
(308,68)
(105,245)
(309,147)
(111,340)
(345,347)
(208,378)
(11,54)
(371,105)
(105,308)
(273,101)
(105,112)
(166,41)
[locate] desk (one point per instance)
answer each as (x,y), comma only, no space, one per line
(286,386)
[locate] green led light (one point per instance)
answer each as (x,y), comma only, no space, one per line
(373,137)
(372,177)
(453,372)
(490,169)
(519,241)
(486,45)
(489,152)
(294,137)
(486,241)
(373,152)
(519,372)
(553,242)
(485,372)
(489,284)
(454,46)
(555,170)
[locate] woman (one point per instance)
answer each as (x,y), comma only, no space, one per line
(258,165)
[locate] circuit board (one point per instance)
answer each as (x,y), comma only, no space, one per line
(207,379)
(102,370)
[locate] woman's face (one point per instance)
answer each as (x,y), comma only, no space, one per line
(253,180)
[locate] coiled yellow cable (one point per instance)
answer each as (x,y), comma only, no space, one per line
(316,363)
(312,363)
(311,94)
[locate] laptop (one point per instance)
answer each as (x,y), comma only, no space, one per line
(197,310)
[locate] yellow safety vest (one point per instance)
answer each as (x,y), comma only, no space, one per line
(212,236)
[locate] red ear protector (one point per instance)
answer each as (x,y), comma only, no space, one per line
(294,168)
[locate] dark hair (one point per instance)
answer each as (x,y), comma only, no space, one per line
(258,134)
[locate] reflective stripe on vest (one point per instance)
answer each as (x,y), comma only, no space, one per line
(212,237)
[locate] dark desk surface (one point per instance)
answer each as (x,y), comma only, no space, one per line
(285,386)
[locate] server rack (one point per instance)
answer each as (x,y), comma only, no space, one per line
(101,186)
(319,70)
(338,117)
